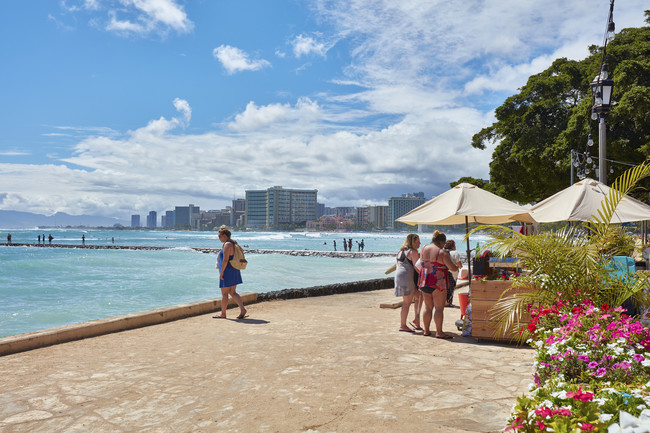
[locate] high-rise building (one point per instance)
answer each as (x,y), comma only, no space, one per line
(187,216)
(239,205)
(237,212)
(256,208)
(168,219)
(152,219)
(277,207)
(398,206)
(135,221)
(378,216)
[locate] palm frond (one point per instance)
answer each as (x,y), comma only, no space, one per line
(569,265)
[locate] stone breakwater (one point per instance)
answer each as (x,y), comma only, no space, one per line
(305,253)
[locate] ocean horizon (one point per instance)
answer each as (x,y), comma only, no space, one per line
(43,288)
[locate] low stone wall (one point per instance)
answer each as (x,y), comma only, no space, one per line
(331,289)
(77,331)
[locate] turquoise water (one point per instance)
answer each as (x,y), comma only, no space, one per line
(42,288)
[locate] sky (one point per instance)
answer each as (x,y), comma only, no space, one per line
(120,107)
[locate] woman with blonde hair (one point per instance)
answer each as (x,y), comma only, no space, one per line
(406,280)
(229,277)
(436,265)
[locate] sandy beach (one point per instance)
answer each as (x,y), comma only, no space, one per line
(321,364)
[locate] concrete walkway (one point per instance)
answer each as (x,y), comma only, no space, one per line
(327,364)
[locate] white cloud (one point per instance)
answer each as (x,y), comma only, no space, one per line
(305,45)
(14,153)
(235,60)
(279,144)
(136,17)
(183,107)
(283,115)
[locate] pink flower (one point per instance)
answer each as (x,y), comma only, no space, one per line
(593,365)
(587,427)
(600,372)
(584,358)
(624,365)
(638,357)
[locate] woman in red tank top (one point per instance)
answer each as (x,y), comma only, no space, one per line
(436,265)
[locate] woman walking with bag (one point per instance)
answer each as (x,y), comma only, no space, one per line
(229,277)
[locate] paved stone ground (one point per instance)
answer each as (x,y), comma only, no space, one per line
(328,364)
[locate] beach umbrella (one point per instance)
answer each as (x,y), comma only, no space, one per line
(582,200)
(467,203)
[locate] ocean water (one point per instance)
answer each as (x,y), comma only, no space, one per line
(42,288)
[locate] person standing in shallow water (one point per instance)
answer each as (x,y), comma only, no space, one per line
(229,277)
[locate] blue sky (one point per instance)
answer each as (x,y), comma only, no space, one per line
(116,107)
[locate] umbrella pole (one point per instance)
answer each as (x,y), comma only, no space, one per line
(469,254)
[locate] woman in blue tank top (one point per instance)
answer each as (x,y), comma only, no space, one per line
(229,277)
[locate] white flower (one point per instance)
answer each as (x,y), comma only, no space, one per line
(644,415)
(552,350)
(600,401)
(604,417)
(631,424)
(614,428)
(646,363)
(559,394)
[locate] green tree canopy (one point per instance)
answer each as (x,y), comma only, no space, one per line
(538,127)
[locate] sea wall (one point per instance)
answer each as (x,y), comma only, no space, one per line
(331,289)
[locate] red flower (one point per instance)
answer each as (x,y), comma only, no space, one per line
(532,327)
(516,424)
(579,395)
(604,307)
(587,427)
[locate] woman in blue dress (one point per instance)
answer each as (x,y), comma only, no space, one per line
(229,277)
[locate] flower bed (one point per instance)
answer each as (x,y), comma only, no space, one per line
(592,372)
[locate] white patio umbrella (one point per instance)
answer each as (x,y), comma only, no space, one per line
(582,200)
(467,203)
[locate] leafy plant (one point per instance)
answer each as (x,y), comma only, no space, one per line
(569,265)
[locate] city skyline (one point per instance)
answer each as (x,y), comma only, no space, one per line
(116,107)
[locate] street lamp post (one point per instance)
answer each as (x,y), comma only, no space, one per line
(602,87)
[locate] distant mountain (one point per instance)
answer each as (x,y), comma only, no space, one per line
(10,219)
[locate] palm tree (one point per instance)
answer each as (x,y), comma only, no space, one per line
(569,265)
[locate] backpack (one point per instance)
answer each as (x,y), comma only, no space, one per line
(238,260)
